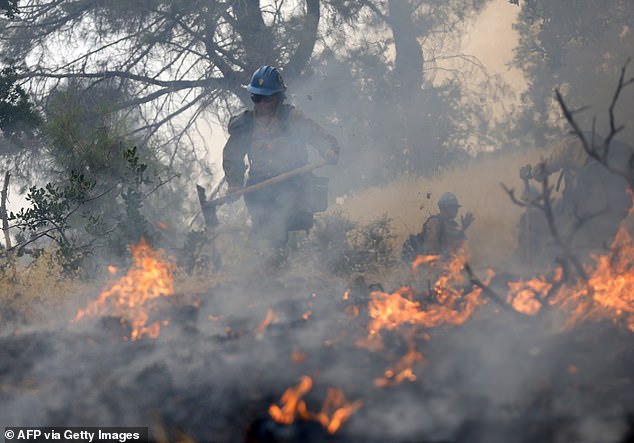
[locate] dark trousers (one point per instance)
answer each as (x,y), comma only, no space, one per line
(276,210)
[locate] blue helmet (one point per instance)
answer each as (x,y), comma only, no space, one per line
(448,200)
(267,80)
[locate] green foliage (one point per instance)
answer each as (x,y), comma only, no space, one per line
(9,7)
(49,216)
(131,222)
(344,247)
(54,213)
(17,113)
(85,132)
(376,237)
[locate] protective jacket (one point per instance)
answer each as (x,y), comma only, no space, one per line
(272,148)
(441,235)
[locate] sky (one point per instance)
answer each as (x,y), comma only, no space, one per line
(493,40)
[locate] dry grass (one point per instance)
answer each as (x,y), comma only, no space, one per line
(410,200)
(30,292)
(33,292)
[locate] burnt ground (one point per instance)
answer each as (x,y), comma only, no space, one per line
(210,376)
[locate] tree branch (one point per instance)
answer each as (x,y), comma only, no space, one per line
(600,153)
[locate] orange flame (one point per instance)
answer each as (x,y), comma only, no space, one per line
(422,259)
(148,278)
(524,296)
(607,294)
(447,304)
(404,368)
(270,317)
(334,412)
(291,400)
(389,311)
(610,289)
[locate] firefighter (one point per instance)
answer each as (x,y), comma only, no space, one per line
(567,158)
(273,138)
(594,199)
(440,234)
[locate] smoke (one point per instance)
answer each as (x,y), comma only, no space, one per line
(215,368)
(213,371)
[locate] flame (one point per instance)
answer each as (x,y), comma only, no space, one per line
(609,292)
(270,317)
(523,296)
(389,311)
(404,368)
(334,412)
(291,401)
(422,259)
(149,277)
(445,304)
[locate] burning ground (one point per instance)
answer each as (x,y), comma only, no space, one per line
(306,356)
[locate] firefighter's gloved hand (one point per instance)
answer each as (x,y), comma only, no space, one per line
(331,156)
(466,220)
(526,173)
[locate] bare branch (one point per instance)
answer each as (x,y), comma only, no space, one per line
(600,154)
(175,84)
(488,292)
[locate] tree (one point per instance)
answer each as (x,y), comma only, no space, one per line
(83,219)
(20,122)
(176,61)
(9,7)
(579,47)
(383,93)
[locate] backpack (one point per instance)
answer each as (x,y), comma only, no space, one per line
(415,243)
(412,247)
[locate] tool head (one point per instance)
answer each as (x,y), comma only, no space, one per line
(208,208)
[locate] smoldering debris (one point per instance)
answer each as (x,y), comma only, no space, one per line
(223,359)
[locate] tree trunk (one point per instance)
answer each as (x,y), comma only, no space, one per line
(408,67)
(306,46)
(3,210)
